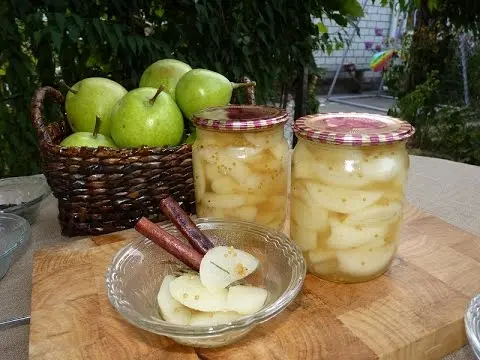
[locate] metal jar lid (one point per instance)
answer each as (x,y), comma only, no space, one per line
(357,129)
(233,118)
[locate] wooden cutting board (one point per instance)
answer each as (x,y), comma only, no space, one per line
(414,311)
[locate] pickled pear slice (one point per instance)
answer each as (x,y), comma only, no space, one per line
(388,211)
(277,221)
(302,154)
(346,236)
(306,239)
(255,198)
(318,256)
(242,153)
(341,174)
(277,202)
(383,165)
(344,176)
(264,138)
(341,200)
(279,150)
(340,168)
(307,216)
(225,185)
(189,291)
(266,217)
(266,166)
(170,309)
(223,265)
(199,178)
(236,169)
(304,171)
(246,300)
(214,318)
(366,260)
(245,213)
(212,172)
(223,201)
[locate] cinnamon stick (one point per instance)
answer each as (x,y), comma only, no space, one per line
(185,225)
(169,243)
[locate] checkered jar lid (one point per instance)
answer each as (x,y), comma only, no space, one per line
(233,118)
(357,129)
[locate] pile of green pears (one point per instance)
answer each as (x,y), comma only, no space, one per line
(101,112)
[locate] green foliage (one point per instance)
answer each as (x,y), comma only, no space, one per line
(42,42)
(444,131)
(430,86)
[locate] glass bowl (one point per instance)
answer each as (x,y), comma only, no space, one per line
(137,271)
(14,232)
(22,195)
(472,324)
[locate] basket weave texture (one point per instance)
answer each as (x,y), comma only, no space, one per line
(105,190)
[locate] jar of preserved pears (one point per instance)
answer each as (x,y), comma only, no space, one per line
(348,176)
(241,163)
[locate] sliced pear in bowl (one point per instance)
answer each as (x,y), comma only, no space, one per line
(170,309)
(189,291)
(214,318)
(224,265)
(246,299)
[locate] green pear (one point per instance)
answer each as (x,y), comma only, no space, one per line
(199,89)
(164,72)
(147,116)
(91,97)
(191,138)
(88,139)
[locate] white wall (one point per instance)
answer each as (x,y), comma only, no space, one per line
(375,16)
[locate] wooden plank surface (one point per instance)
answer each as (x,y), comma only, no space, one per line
(414,311)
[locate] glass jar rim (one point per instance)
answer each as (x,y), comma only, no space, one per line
(351,128)
(235,118)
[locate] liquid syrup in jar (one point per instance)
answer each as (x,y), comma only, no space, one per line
(241,167)
(348,178)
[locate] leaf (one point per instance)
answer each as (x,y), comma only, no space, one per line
(322,28)
(131,44)
(339,19)
(60,20)
(159,12)
(140,41)
(353,8)
(79,21)
(118,31)
(112,38)
(56,39)
(37,36)
(261,34)
(98,27)
(432,4)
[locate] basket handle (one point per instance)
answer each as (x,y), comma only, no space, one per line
(36,111)
(250,90)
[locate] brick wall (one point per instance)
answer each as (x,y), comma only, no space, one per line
(375,16)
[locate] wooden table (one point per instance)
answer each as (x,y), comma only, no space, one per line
(445,189)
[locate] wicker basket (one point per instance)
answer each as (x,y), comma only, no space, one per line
(104,190)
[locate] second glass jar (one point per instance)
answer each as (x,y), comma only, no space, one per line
(240,164)
(348,177)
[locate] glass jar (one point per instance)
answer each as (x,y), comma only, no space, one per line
(240,164)
(348,177)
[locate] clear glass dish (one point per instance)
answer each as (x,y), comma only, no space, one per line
(472,324)
(14,233)
(22,195)
(137,271)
